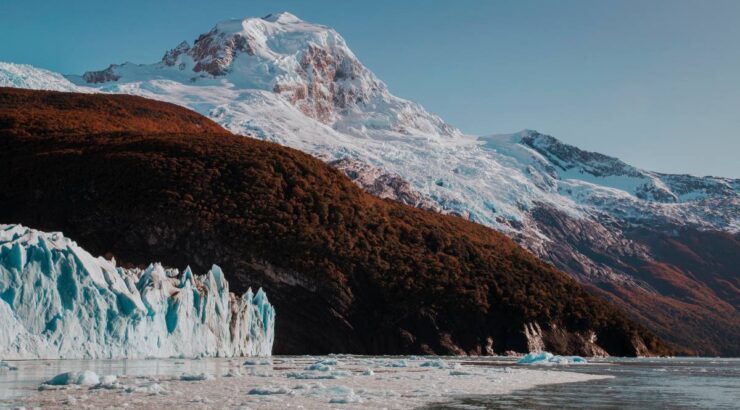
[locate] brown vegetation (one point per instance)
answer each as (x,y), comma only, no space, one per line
(148,181)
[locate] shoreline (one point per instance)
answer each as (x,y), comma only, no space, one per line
(286,381)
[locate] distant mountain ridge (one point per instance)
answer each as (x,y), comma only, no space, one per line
(605,222)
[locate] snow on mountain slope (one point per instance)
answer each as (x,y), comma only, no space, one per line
(308,65)
(604,184)
(296,83)
(26,76)
(58,301)
(600,169)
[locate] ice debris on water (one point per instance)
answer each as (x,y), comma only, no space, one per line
(188,377)
(390,363)
(7,366)
(322,365)
(153,388)
(233,373)
(109,382)
(266,391)
(438,363)
(314,375)
(547,358)
(342,395)
(84,378)
(351,397)
(58,301)
(258,362)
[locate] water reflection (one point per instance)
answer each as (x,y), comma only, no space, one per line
(679,383)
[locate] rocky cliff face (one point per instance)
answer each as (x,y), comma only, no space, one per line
(347,272)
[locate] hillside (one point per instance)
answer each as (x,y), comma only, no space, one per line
(347,272)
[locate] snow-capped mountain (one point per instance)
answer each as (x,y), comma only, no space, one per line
(58,301)
(296,83)
(26,76)
(281,79)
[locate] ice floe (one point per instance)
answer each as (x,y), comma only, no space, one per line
(547,358)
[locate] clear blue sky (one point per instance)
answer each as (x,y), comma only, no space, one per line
(656,83)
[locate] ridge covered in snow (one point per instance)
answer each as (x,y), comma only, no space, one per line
(285,80)
(574,163)
(308,66)
(58,301)
(27,76)
(282,79)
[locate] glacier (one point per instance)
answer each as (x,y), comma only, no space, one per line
(58,301)
(549,359)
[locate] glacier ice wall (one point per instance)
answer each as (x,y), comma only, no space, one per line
(58,301)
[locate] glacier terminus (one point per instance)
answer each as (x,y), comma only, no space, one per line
(58,301)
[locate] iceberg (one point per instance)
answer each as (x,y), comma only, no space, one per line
(58,301)
(546,358)
(84,378)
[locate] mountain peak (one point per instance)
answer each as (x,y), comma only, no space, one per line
(282,17)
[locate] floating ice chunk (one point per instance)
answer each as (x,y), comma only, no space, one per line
(347,398)
(312,375)
(341,395)
(394,363)
(368,372)
(319,367)
(198,399)
(233,373)
(188,377)
(258,362)
(63,379)
(322,365)
(7,366)
(330,362)
(258,373)
(438,363)
(109,382)
(266,391)
(147,388)
(306,386)
(88,378)
(547,358)
(85,378)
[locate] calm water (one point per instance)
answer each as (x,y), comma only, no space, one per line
(696,383)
